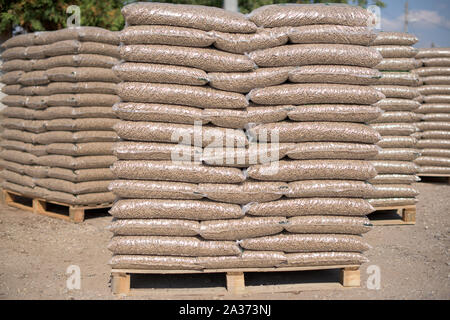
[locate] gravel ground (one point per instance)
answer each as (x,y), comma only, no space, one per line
(35,252)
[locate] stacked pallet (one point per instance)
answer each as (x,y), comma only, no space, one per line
(394,163)
(240,150)
(434,138)
(58,136)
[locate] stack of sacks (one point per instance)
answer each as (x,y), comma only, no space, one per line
(394,164)
(247,199)
(58,123)
(434,138)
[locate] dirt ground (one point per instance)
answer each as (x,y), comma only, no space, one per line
(35,252)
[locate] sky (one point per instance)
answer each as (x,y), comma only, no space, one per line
(429,20)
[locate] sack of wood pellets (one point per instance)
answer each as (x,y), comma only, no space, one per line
(310,54)
(328,224)
(335,74)
(329,189)
(396,51)
(182,246)
(314,132)
(395,38)
(312,169)
(246,81)
(143,189)
(181,133)
(307,243)
(315,93)
(243,193)
(193,96)
(337,34)
(168,113)
(334,113)
(206,59)
(175,209)
(159,73)
(235,229)
(168,35)
(176,171)
(295,15)
(154,227)
(197,17)
(398,64)
(310,206)
(325,259)
(241,43)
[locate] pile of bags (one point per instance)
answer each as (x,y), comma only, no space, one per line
(434,135)
(397,124)
(58,123)
(245,141)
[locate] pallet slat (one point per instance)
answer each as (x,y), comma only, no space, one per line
(235,281)
(407,216)
(39,206)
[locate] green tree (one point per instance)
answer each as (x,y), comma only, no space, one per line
(39,15)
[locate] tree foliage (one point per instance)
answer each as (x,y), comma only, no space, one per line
(38,15)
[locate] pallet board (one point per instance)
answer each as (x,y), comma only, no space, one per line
(403,215)
(52,209)
(235,281)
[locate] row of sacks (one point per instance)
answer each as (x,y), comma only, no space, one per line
(247,259)
(287,94)
(398,120)
(45,82)
(244,82)
(244,118)
(61,100)
(434,135)
(256,191)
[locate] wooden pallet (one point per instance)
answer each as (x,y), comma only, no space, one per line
(444,177)
(235,281)
(405,215)
(41,206)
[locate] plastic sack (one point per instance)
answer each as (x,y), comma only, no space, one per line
(176,171)
(294,15)
(168,35)
(315,93)
(307,243)
(210,60)
(193,96)
(241,43)
(314,132)
(197,17)
(314,169)
(312,54)
(175,209)
(329,188)
(159,73)
(328,224)
(335,74)
(332,150)
(334,113)
(331,33)
(235,229)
